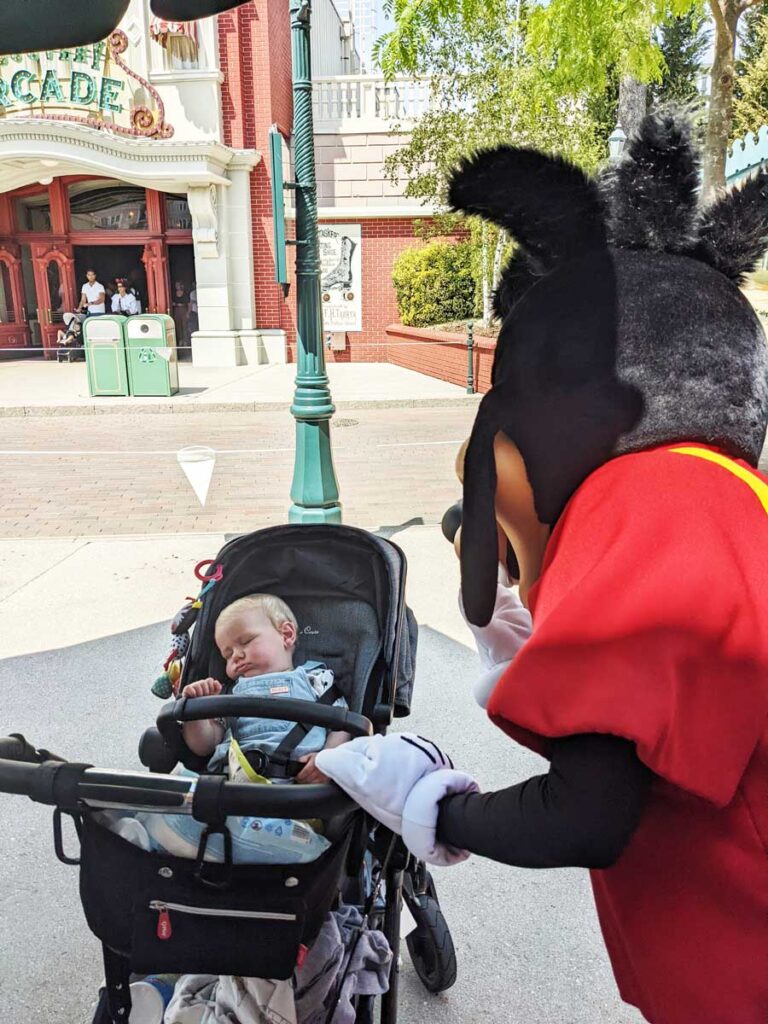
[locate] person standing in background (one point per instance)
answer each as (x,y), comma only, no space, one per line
(123,301)
(193,323)
(92,296)
(180,313)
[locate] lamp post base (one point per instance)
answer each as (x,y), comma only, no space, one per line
(315,489)
(315,516)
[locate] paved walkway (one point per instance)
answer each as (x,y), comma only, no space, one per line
(34,387)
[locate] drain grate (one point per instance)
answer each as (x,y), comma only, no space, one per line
(344,423)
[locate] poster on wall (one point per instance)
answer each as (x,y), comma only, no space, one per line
(341,277)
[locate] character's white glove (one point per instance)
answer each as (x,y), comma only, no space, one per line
(400,779)
(499,642)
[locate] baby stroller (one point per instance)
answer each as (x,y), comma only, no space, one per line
(347,589)
(71,347)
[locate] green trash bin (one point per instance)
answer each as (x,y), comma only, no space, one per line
(153,367)
(104,342)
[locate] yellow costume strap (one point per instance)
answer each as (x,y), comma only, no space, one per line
(755,483)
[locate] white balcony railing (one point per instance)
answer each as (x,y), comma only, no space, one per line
(367,102)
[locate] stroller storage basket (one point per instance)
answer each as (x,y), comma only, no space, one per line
(152,909)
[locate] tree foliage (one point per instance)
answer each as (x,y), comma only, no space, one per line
(578,42)
(683,42)
(487,90)
(750,108)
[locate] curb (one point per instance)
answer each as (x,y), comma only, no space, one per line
(167,408)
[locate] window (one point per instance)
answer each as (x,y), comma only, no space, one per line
(94,207)
(55,288)
(33,213)
(177,213)
(181,53)
(7,315)
(179,41)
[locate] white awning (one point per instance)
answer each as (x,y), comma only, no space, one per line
(32,149)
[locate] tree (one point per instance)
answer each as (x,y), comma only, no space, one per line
(487,90)
(578,41)
(683,42)
(750,36)
(750,108)
(750,105)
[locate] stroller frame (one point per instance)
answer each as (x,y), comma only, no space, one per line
(333,571)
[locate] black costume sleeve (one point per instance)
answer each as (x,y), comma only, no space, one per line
(582,813)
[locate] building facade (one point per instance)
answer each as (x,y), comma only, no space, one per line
(146,157)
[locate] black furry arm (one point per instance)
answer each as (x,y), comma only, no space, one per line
(582,813)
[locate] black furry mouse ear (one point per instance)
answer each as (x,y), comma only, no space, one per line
(519,275)
(651,195)
(479,538)
(734,231)
(551,208)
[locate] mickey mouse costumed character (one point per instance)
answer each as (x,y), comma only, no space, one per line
(617,449)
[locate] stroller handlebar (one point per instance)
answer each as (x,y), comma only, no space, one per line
(65,785)
(191,709)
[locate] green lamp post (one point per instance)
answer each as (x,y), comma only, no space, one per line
(315,489)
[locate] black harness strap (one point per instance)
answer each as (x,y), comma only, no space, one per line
(117,976)
(282,754)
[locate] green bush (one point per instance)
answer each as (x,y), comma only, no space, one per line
(434,284)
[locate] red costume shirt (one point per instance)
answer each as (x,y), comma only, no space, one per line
(651,623)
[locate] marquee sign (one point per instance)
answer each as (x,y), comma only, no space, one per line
(88,85)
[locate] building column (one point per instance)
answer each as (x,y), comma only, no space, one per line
(216,342)
(222,234)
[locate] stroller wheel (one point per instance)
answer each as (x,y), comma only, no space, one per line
(430,944)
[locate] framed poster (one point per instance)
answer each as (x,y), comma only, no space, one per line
(341,277)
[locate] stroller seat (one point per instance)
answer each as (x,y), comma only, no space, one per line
(157,913)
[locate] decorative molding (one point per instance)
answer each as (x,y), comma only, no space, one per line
(203,205)
(79,148)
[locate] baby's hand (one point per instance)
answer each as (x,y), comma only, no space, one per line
(309,773)
(203,688)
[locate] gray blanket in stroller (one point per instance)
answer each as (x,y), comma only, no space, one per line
(210,999)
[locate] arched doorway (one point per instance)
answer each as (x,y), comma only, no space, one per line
(50,235)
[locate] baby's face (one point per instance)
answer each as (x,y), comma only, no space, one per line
(251,646)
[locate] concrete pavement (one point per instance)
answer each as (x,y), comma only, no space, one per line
(84,632)
(33,387)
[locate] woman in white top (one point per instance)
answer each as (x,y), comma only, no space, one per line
(123,301)
(92,296)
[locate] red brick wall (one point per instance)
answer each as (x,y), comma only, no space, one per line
(382,240)
(441,355)
(255,52)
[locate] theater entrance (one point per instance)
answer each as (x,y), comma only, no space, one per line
(51,235)
(110,263)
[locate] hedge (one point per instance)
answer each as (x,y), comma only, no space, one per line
(434,284)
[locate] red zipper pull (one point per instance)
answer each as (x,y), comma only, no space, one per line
(302,955)
(164,930)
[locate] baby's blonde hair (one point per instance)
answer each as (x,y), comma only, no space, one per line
(275,609)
